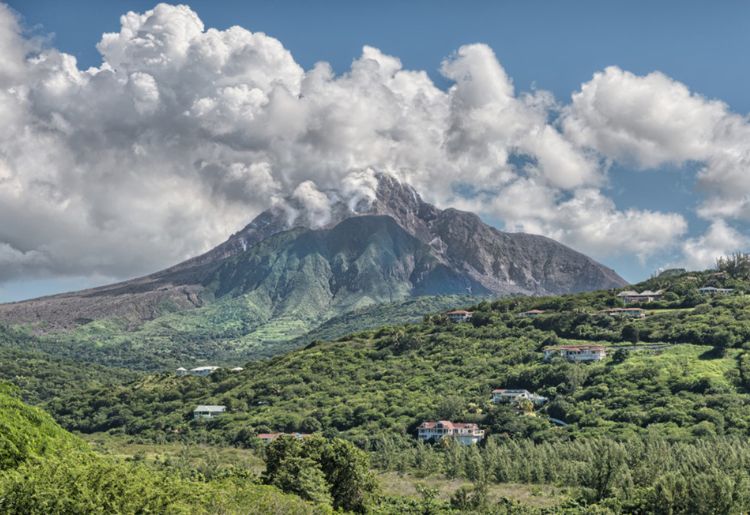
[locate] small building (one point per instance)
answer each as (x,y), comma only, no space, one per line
(532,313)
(509,395)
(236,369)
(203,371)
(459,315)
(710,290)
(626,312)
(633,297)
(182,371)
(576,352)
(270,437)
(462,432)
(208,411)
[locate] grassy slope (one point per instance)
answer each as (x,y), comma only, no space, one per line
(27,432)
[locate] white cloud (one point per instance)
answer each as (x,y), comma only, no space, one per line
(719,240)
(653,120)
(184,133)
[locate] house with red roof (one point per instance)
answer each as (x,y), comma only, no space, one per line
(463,432)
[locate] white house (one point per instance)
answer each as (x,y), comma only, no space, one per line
(531,313)
(710,290)
(633,297)
(626,312)
(208,411)
(236,369)
(576,352)
(459,315)
(464,433)
(203,371)
(508,395)
(182,371)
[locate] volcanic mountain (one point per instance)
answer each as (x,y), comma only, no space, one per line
(293,263)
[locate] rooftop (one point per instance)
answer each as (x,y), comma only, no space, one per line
(447,424)
(210,408)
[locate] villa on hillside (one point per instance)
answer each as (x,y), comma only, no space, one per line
(710,290)
(270,437)
(626,312)
(203,371)
(208,411)
(633,297)
(464,433)
(509,395)
(459,315)
(576,352)
(532,313)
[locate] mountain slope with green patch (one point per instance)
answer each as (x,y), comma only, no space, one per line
(289,271)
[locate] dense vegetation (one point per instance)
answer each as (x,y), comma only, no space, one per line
(686,381)
(659,426)
(45,470)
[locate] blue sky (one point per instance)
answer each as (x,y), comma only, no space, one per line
(553,46)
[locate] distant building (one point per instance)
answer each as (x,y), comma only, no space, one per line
(203,371)
(464,433)
(532,313)
(633,297)
(576,352)
(236,369)
(509,395)
(208,411)
(710,290)
(626,312)
(182,371)
(459,315)
(270,437)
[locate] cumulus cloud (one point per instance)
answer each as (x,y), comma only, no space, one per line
(183,133)
(719,240)
(654,120)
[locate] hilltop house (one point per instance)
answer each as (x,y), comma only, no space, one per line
(532,313)
(508,395)
(576,352)
(633,297)
(626,312)
(459,315)
(270,437)
(710,290)
(208,411)
(203,371)
(464,433)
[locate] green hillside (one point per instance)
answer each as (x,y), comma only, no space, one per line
(46,470)
(686,375)
(659,426)
(229,331)
(27,432)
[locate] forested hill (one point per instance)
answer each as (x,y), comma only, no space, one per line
(682,371)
